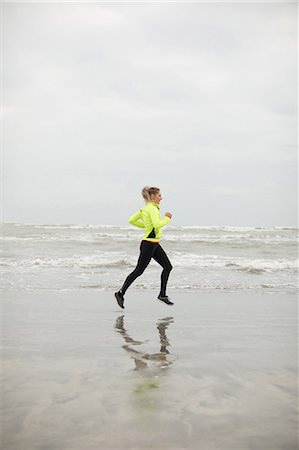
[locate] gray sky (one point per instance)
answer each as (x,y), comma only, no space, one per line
(199,99)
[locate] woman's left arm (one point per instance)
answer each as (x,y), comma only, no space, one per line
(156,219)
(135,220)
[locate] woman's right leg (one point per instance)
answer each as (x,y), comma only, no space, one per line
(161,258)
(146,253)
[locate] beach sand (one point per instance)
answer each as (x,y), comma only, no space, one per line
(217,370)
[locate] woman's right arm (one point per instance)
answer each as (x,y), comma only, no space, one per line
(135,220)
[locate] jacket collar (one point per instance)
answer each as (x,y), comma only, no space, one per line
(156,204)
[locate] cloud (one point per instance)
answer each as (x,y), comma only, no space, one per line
(122,95)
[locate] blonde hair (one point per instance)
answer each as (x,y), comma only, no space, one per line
(148,191)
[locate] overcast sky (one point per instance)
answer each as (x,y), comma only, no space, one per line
(199,99)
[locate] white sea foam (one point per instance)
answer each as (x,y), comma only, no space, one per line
(242,240)
(93,261)
(187,260)
(73,256)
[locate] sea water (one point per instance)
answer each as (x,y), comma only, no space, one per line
(70,257)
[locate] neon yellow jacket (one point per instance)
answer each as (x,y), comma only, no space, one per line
(149,218)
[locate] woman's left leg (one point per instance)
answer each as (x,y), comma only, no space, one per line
(161,258)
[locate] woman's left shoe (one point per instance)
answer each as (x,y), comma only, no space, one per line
(120,299)
(165,299)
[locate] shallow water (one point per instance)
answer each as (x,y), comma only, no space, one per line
(216,371)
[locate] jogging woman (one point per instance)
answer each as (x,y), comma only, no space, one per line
(149,218)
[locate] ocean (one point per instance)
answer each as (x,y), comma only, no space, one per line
(99,257)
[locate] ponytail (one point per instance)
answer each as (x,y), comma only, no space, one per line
(148,191)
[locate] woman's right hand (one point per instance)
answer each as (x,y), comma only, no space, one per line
(168,214)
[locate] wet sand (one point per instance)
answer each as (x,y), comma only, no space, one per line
(214,371)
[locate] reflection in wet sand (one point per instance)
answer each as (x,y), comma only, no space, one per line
(141,359)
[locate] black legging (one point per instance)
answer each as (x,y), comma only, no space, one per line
(149,250)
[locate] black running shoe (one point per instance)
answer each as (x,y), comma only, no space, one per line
(120,299)
(165,299)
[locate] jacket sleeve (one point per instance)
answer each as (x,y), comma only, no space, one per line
(156,219)
(134,220)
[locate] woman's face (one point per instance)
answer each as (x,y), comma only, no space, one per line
(156,197)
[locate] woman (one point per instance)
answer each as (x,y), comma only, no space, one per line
(149,219)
